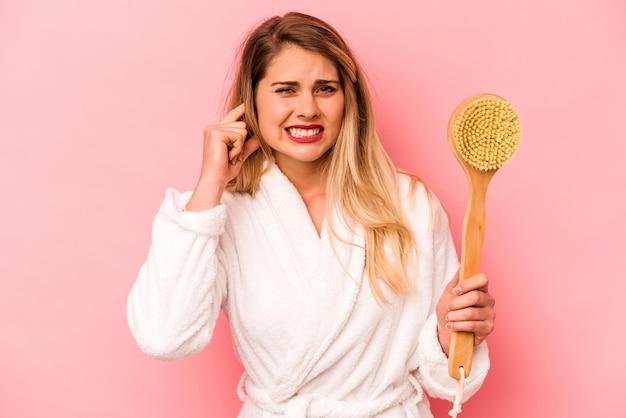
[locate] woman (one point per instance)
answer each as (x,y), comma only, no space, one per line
(336,272)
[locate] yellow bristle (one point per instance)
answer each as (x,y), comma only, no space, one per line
(487,133)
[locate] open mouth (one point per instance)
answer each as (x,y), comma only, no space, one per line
(304,133)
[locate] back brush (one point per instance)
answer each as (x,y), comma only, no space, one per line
(484,133)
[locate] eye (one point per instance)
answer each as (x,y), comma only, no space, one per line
(285,90)
(326,89)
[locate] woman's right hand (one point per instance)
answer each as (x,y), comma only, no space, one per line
(225,149)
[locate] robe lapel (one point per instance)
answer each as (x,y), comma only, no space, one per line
(330,271)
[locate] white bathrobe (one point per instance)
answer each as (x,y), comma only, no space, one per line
(312,338)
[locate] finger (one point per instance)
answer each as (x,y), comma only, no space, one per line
(481,329)
(476,282)
(215,132)
(234,136)
(466,314)
(235,114)
(232,125)
(249,147)
(237,146)
(475,298)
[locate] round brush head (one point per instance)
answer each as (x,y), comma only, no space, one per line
(486,130)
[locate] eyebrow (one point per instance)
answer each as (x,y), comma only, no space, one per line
(295,83)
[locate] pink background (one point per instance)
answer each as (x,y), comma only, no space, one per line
(102,106)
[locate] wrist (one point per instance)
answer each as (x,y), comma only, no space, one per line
(444,335)
(206,195)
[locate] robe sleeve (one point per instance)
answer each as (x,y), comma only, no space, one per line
(175,301)
(433,363)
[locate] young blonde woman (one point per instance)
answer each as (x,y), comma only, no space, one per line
(336,271)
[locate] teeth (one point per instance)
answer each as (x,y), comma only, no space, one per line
(303,133)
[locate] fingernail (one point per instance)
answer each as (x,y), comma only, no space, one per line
(457,290)
(448,325)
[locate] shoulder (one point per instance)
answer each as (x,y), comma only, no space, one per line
(238,204)
(413,192)
(419,203)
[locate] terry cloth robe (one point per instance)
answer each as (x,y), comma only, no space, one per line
(312,338)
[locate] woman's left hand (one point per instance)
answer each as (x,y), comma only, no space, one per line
(467,306)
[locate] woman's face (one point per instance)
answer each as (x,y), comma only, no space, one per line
(300,105)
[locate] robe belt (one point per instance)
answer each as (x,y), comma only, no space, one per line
(313,405)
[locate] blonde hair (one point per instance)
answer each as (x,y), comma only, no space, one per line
(361,178)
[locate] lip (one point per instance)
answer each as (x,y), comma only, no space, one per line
(308,139)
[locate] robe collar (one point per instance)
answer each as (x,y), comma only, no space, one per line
(332,269)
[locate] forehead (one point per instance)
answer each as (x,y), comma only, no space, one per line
(294,63)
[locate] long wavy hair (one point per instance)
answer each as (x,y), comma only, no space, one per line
(361,178)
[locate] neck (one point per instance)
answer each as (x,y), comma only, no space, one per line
(309,181)
(307,178)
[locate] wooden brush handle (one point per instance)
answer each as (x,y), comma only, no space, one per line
(462,343)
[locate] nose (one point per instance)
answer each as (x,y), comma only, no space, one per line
(307,106)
